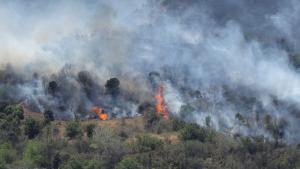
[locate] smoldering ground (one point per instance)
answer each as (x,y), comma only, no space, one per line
(233,61)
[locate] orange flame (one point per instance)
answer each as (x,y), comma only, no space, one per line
(160,106)
(100,113)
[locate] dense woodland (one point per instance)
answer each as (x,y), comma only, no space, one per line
(31,140)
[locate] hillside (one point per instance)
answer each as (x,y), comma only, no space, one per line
(32,140)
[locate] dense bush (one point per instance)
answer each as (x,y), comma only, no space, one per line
(94,164)
(35,154)
(193,132)
(147,143)
(14,111)
(128,163)
(73,129)
(10,118)
(177,124)
(108,145)
(7,153)
(73,164)
(10,122)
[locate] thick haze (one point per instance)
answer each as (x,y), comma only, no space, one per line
(218,57)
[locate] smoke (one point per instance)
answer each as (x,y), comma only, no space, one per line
(216,59)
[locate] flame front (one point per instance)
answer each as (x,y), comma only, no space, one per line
(160,106)
(100,113)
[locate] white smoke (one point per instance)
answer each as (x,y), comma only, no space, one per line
(196,46)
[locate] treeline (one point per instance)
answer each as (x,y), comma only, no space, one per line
(27,143)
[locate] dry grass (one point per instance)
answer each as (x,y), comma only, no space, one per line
(35,115)
(132,126)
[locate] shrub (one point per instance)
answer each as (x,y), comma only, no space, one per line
(94,164)
(48,116)
(15,111)
(73,164)
(249,145)
(90,130)
(161,126)
(7,154)
(128,163)
(3,105)
(146,143)
(57,160)
(151,118)
(193,132)
(32,128)
(10,123)
(35,154)
(177,124)
(73,130)
(195,148)
(108,145)
(123,134)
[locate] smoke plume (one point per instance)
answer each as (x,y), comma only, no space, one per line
(233,62)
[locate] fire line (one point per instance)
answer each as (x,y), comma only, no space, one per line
(160,106)
(100,113)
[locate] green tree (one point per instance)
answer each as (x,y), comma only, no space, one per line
(32,128)
(10,118)
(113,86)
(14,111)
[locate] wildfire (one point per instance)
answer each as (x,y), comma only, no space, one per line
(160,106)
(100,112)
